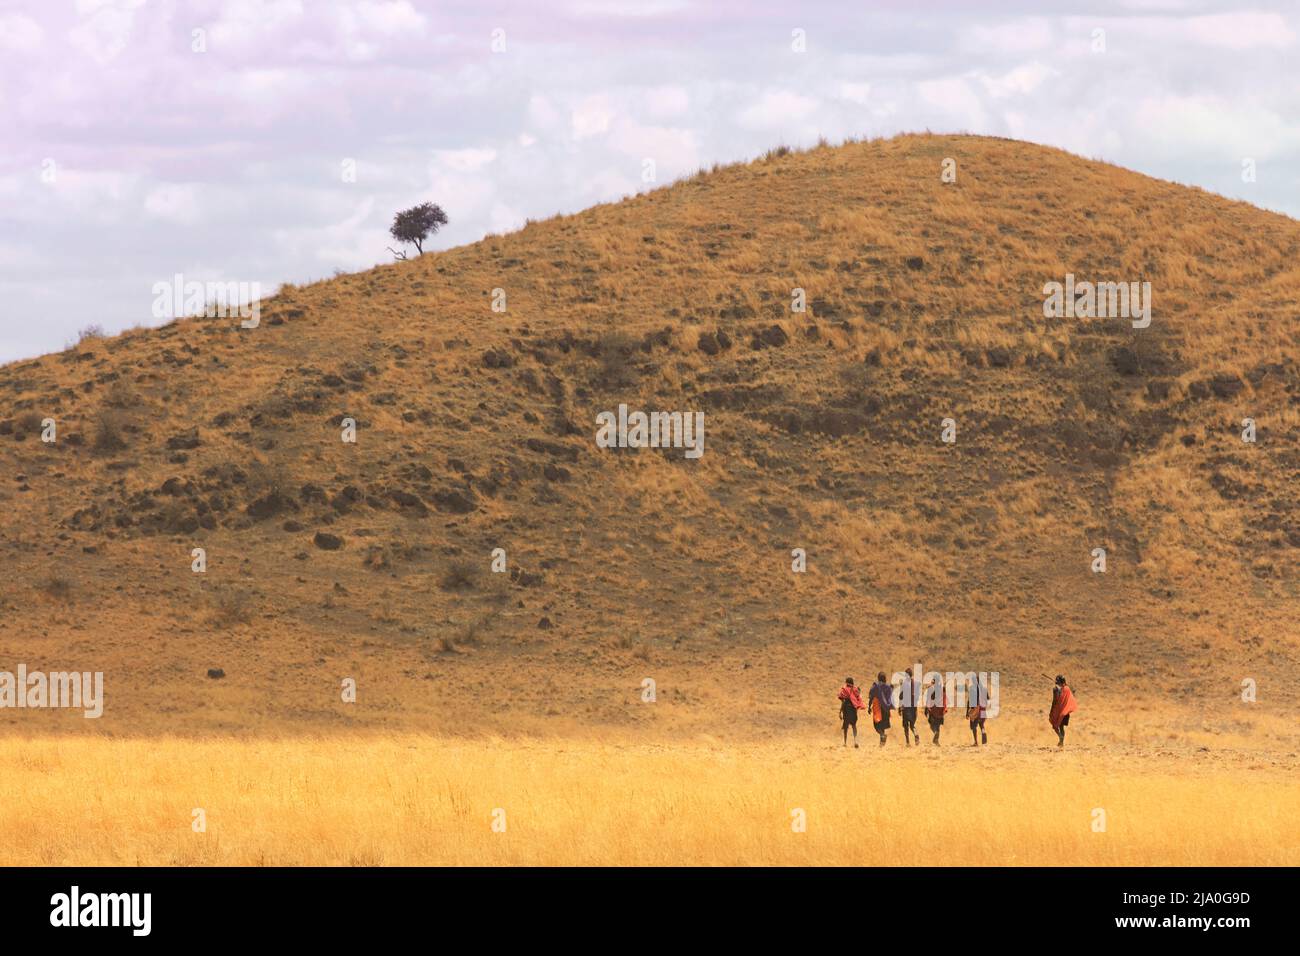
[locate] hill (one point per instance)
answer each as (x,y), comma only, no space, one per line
(476,430)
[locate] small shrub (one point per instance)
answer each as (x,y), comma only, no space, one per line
(460,575)
(120,395)
(616,351)
(231,608)
(57,588)
(444,645)
(110,433)
(30,422)
(271,478)
(473,633)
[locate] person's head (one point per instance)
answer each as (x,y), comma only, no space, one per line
(849,681)
(881,677)
(908,672)
(1060,679)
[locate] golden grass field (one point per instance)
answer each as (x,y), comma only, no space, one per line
(415,800)
(330,561)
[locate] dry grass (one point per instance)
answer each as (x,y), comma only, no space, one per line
(423,801)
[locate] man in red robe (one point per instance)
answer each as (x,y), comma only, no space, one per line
(1063,705)
(850,703)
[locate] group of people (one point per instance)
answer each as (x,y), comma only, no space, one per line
(934,705)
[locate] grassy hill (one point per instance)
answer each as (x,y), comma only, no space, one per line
(476,430)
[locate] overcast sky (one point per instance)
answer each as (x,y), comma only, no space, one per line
(212,138)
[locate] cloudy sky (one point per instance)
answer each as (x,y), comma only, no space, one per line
(271,141)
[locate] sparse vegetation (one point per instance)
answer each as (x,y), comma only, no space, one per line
(120,395)
(57,588)
(271,477)
(110,432)
(616,355)
(30,422)
(461,574)
(231,607)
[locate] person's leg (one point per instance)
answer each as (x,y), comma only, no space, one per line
(974,733)
(984,737)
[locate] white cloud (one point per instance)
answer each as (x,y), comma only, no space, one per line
(855,92)
(776,109)
(243,24)
(503,218)
(20,34)
(389,17)
(1242,31)
(666,102)
(591,117)
(1213,127)
(1018,82)
(105,27)
(173,202)
(674,151)
(633,9)
(465,160)
(1026,35)
(955,100)
(542,113)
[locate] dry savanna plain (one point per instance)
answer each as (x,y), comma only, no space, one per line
(308,657)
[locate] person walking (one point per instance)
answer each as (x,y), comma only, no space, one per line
(1063,705)
(977,700)
(850,703)
(909,694)
(882,702)
(936,705)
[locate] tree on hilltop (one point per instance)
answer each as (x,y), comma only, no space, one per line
(413,226)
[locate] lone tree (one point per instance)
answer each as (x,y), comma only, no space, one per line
(415,225)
